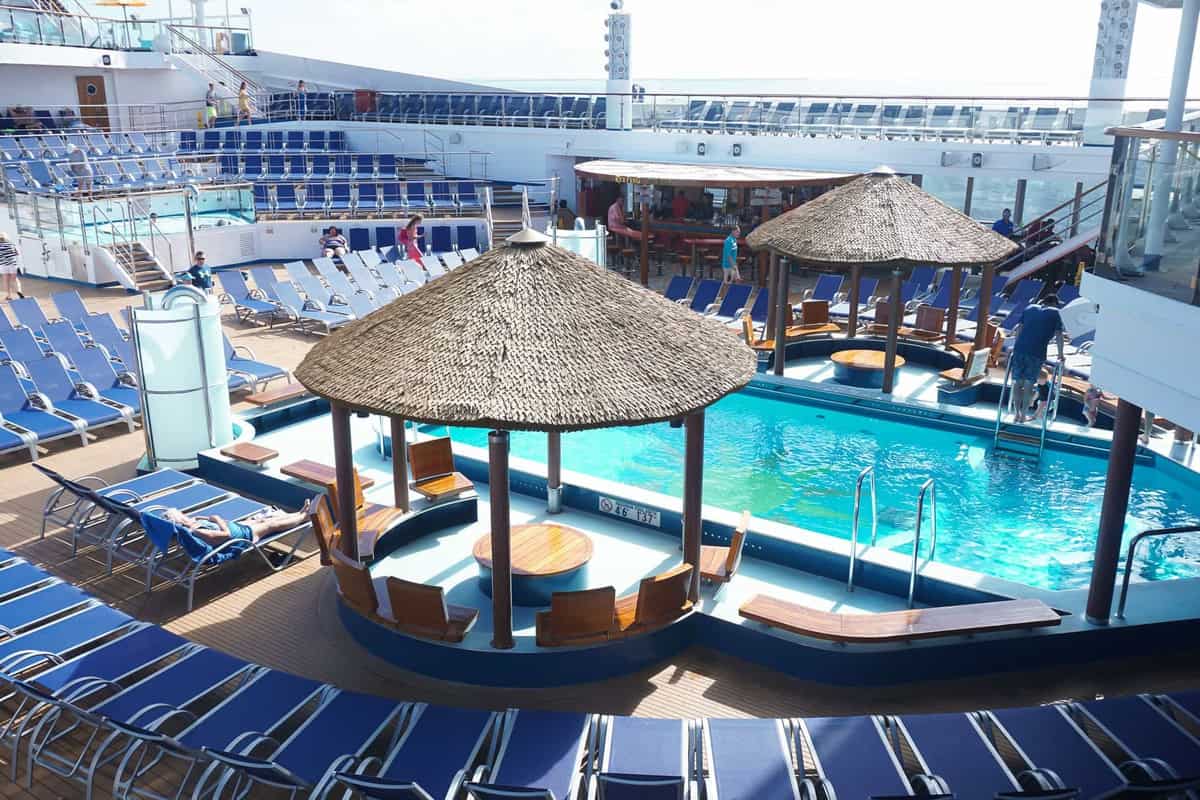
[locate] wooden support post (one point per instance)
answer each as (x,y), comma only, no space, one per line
(1018,215)
(343,468)
(773,283)
(693,495)
(400,464)
(968,196)
(783,302)
(1076,207)
(1112,511)
(645,274)
(762,257)
(889,354)
(985,297)
(502,635)
(952,312)
(855,280)
(554,472)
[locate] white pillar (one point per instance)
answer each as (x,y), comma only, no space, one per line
(1114,37)
(1165,168)
(619,105)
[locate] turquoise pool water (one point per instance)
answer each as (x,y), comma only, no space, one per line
(797,463)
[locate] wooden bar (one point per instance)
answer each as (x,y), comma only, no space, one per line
(400,464)
(985,297)
(952,313)
(693,495)
(889,358)
(502,634)
(343,466)
(1112,511)
(855,279)
(781,315)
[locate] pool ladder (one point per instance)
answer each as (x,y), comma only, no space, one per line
(868,472)
(928,488)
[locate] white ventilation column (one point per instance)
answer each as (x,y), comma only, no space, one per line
(1110,69)
(1164,170)
(619,108)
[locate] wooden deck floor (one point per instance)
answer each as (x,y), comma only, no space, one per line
(288,620)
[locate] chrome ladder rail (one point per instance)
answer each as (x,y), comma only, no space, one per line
(868,472)
(931,488)
(1133,546)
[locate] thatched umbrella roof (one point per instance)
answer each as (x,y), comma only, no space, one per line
(530,337)
(883,219)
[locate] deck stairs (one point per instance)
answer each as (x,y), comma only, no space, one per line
(140,264)
(190,54)
(1025,438)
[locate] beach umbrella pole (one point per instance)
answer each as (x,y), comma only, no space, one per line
(502,633)
(693,495)
(554,472)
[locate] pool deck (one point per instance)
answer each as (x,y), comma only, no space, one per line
(289,620)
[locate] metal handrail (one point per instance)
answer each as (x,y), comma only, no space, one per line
(1133,545)
(868,472)
(155,234)
(928,486)
(1004,387)
(251,84)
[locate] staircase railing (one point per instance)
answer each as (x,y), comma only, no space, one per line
(115,238)
(226,75)
(1086,206)
(155,236)
(1133,546)
(439,150)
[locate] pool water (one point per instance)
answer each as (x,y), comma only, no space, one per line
(795,463)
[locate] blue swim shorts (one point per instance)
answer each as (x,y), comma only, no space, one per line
(1026,367)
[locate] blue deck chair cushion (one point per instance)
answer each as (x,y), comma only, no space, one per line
(20,576)
(40,604)
(112,660)
(68,633)
(360,238)
(15,408)
(749,758)
(542,752)
(953,749)
(175,685)
(826,287)
(706,295)
(679,287)
(854,758)
(53,381)
(259,706)
(1051,741)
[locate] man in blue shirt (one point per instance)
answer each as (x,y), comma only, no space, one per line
(1004,225)
(729,268)
(1039,324)
(201,273)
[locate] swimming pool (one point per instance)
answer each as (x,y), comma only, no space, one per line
(796,463)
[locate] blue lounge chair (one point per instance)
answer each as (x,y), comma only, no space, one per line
(734,303)
(19,347)
(29,313)
(263,703)
(392,200)
(346,722)
(369,202)
(252,167)
(1026,292)
(953,747)
(317,142)
(294,141)
(320,297)
(1059,755)
(761,307)
(276,168)
(468,200)
(1162,753)
(306,316)
(17,577)
(73,497)
(853,759)
(275,140)
(63,340)
(253,141)
(97,371)
(70,306)
(1067,293)
(247,303)
(339,197)
(385,168)
(439,239)
(343,167)
(866,290)
(415,197)
(258,373)
(285,199)
(431,759)
(315,200)
(645,759)
(53,382)
(679,288)
(440,198)
(705,296)
(826,288)
(363,166)
(468,240)
(16,409)
(337,280)
(59,640)
(162,695)
(539,756)
(24,612)
(360,238)
(319,167)
(266,282)
(748,758)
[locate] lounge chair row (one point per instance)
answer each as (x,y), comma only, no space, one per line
(296,166)
(142,699)
(109,175)
(95,143)
(235,140)
(323,196)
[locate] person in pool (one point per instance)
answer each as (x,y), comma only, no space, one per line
(216,531)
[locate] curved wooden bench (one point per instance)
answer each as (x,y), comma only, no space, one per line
(898,626)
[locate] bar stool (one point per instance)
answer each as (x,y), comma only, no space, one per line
(684,257)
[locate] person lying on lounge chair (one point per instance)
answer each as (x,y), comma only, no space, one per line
(216,531)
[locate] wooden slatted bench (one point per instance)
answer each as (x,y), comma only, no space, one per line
(897,626)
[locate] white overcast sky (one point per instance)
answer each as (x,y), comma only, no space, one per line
(935,46)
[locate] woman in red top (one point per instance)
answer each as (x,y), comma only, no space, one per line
(408,239)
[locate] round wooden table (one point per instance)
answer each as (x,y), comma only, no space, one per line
(861,367)
(546,558)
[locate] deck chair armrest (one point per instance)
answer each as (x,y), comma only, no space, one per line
(683,301)
(243,348)
(225,299)
(24,659)
(87,390)
(41,401)
(711,308)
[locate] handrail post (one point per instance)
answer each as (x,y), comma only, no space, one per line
(867,472)
(912,576)
(1133,545)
